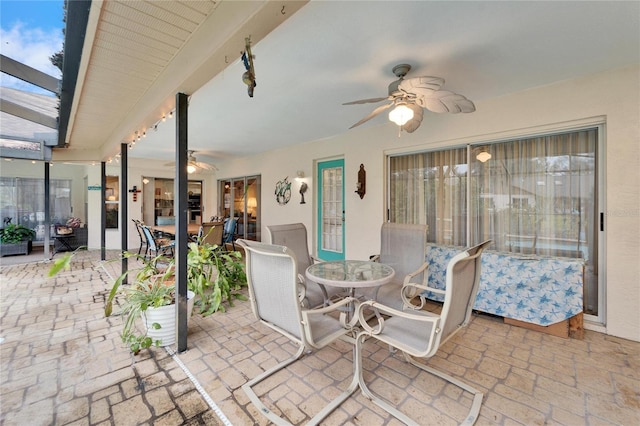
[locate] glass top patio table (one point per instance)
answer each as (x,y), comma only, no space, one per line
(350,273)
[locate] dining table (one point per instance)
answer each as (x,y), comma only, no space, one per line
(192,229)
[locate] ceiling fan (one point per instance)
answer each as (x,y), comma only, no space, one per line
(193,164)
(411,95)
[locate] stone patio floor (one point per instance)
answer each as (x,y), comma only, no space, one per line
(62,362)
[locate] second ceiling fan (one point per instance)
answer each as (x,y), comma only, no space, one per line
(194,165)
(410,96)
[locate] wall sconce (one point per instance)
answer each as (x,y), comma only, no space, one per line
(483,156)
(361,185)
(299,175)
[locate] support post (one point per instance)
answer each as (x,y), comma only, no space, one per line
(124,206)
(103,211)
(180,211)
(47,211)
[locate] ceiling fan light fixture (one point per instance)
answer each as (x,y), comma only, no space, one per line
(483,156)
(191,168)
(401,114)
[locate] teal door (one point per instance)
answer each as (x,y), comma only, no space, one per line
(331,210)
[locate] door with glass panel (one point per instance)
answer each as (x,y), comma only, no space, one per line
(330,241)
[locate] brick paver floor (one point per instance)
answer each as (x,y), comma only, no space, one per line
(62,363)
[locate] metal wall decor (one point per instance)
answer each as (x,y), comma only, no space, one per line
(361,186)
(303,189)
(283,191)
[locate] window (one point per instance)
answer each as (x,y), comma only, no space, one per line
(536,195)
(22,202)
(112,201)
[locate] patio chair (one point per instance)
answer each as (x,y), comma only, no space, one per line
(212,233)
(404,248)
(294,236)
(230,225)
(143,239)
(157,246)
(272,276)
(421,333)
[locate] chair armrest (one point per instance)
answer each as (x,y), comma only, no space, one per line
(374,258)
(411,290)
(333,307)
(423,317)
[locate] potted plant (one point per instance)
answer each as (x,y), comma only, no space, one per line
(213,276)
(16,239)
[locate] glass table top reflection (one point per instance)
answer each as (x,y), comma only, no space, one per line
(350,273)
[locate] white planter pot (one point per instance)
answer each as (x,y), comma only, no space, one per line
(166,317)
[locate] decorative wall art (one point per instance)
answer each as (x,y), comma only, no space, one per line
(303,189)
(361,185)
(283,191)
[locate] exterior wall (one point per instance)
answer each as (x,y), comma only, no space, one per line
(612,97)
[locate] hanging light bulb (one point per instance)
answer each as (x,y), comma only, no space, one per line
(401,114)
(483,156)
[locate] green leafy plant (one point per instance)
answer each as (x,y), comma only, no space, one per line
(152,286)
(14,234)
(214,275)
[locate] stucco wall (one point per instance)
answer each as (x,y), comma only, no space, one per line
(612,97)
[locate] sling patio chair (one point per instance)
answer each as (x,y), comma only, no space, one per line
(418,333)
(229,234)
(294,236)
(404,248)
(272,276)
(158,246)
(143,239)
(211,233)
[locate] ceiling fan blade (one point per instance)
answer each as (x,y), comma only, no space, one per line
(373,114)
(444,101)
(366,101)
(206,166)
(466,105)
(413,124)
(421,86)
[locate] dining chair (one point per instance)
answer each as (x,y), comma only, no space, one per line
(143,239)
(294,236)
(272,276)
(418,333)
(158,246)
(404,248)
(230,225)
(212,233)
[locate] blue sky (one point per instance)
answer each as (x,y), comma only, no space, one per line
(31,31)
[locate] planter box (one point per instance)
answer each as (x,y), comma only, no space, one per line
(23,247)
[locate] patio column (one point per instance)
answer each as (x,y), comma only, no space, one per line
(124,206)
(47,211)
(103,211)
(180,212)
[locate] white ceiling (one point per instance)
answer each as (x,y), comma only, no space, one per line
(331,52)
